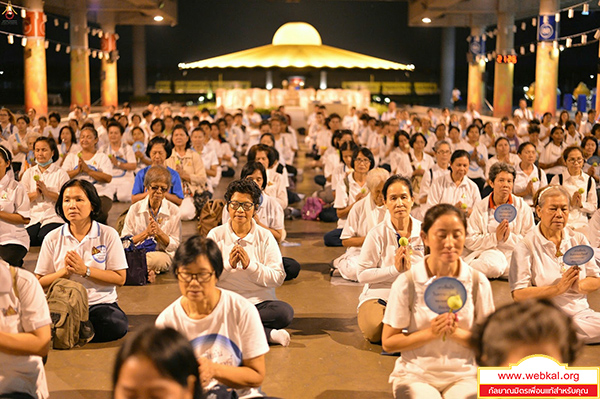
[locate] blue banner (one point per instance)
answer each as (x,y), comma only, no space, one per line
(547,28)
(476,46)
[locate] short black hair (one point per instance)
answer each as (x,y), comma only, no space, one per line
(196,246)
(90,192)
(117,125)
(54,115)
(367,153)
(460,154)
(52,144)
(179,126)
(6,155)
(397,137)
(252,167)
(396,179)
(70,129)
(244,186)
(160,122)
(272,154)
(169,352)
(412,140)
(25,118)
(159,141)
(347,146)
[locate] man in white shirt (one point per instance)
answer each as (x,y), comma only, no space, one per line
(350,120)
(251,119)
(471,114)
(523,112)
(390,113)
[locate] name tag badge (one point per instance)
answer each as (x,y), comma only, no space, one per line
(99,253)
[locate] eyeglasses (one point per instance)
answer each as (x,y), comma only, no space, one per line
(444,152)
(201,277)
(157,188)
(575,160)
(235,205)
(362,160)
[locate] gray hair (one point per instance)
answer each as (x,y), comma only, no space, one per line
(157,174)
(375,177)
(554,190)
(499,167)
(440,143)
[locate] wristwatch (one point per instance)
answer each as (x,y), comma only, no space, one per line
(87,273)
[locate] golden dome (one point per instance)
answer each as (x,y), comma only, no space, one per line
(296,33)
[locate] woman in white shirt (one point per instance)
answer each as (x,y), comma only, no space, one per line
(436,360)
(581,188)
(382,259)
(123,162)
(89,253)
(503,154)
(18,142)
(478,156)
(188,163)
(209,158)
(551,160)
(350,190)
(155,220)
(276,186)
(442,154)
(252,261)
(399,161)
(455,188)
(92,166)
(537,269)
(43,182)
(419,161)
(223,327)
(363,217)
(529,177)
(67,143)
(14,213)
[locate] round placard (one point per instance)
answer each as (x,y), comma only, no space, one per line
(578,255)
(138,146)
(505,212)
(438,292)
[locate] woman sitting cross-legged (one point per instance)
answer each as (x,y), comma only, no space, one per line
(252,261)
(223,327)
(363,217)
(155,221)
(382,259)
(89,253)
(436,360)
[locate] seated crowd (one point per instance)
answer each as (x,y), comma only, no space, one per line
(414,198)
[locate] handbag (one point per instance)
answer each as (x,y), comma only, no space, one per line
(137,266)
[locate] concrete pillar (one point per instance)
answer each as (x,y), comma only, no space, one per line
(139,61)
(546,68)
(34,28)
(503,76)
(80,62)
(476,85)
(447,66)
(108,75)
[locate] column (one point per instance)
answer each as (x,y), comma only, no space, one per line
(503,76)
(546,67)
(447,66)
(80,63)
(34,28)
(598,84)
(108,75)
(476,85)
(139,61)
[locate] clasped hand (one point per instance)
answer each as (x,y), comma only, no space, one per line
(402,259)
(239,255)
(74,264)
(446,323)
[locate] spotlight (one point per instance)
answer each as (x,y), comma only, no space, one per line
(23,13)
(571,13)
(583,39)
(426,20)
(57,48)
(24,41)
(11,39)
(568,42)
(586,9)
(597,35)
(159,18)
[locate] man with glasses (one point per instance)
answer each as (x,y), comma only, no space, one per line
(155,223)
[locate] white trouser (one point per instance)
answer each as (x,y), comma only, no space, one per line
(122,188)
(347,264)
(158,261)
(410,387)
(587,326)
(187,210)
(492,262)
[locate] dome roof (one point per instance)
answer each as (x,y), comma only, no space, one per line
(296,33)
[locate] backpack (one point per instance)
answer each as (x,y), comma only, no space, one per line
(69,311)
(312,207)
(211,216)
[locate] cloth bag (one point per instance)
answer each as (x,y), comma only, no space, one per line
(137,266)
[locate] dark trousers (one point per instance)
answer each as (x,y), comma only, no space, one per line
(109,321)
(332,239)
(37,232)
(291,267)
(17,395)
(13,254)
(106,204)
(480,184)
(275,315)
(320,180)
(16,167)
(293,197)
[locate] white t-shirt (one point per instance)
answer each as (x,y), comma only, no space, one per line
(20,315)
(578,217)
(376,263)
(99,162)
(437,362)
(101,248)
(475,171)
(429,177)
(276,187)
(534,263)
(124,154)
(269,213)
(362,218)
(522,180)
(444,190)
(13,199)
(265,272)
(232,333)
(550,153)
(346,195)
(42,209)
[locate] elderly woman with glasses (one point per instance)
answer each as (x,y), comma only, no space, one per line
(253,265)
(580,186)
(223,327)
(537,269)
(155,222)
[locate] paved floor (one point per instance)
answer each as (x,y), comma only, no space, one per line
(327,358)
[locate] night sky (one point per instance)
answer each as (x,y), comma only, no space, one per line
(211,28)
